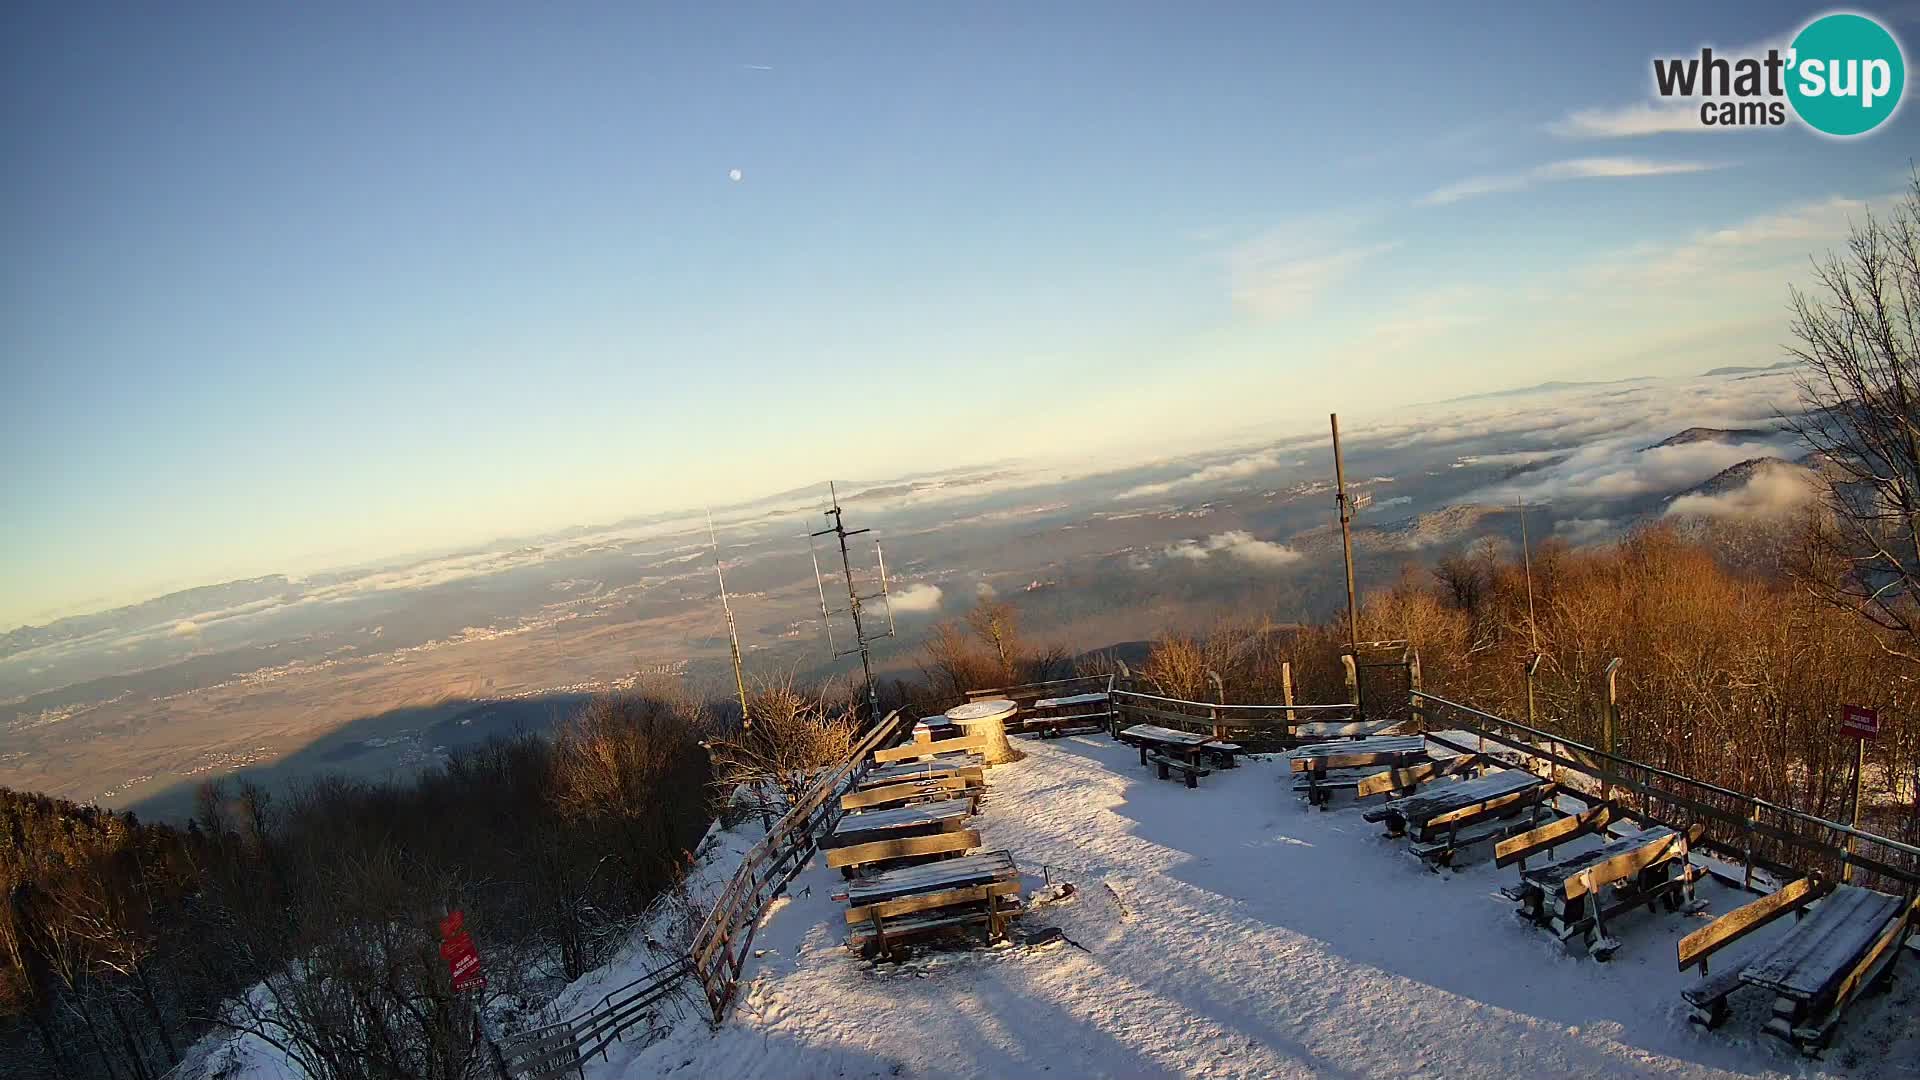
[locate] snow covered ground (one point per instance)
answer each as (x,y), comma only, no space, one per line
(1228,931)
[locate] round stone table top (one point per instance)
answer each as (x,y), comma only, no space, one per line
(981,710)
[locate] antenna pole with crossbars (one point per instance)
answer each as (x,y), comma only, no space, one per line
(862,641)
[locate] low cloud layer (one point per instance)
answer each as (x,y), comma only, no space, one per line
(1237,543)
(1237,469)
(915,599)
(1770,493)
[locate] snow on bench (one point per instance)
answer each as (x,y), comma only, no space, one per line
(978,869)
(1071,700)
(1343,729)
(1844,941)
(969,765)
(1459,803)
(1565,897)
(1344,764)
(918,819)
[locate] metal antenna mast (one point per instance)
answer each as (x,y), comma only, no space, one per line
(733,634)
(861,640)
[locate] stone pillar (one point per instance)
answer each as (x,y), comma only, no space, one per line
(989,719)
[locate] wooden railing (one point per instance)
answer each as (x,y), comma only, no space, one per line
(1259,723)
(1749,830)
(723,941)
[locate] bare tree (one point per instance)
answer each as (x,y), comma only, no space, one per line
(794,735)
(1858,335)
(997,623)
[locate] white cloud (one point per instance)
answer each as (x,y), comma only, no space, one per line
(185,628)
(1640,118)
(1274,276)
(1237,469)
(914,599)
(1770,492)
(1586,530)
(1237,543)
(1593,168)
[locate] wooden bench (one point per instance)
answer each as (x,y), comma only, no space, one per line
(1565,897)
(1844,942)
(880,853)
(926,748)
(875,798)
(972,766)
(966,890)
(1334,765)
(919,819)
(1192,771)
(1083,712)
(1450,807)
(1182,744)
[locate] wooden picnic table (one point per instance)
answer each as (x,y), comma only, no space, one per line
(1345,764)
(918,819)
(1461,802)
(928,768)
(1844,942)
(1565,896)
(965,871)
(1342,729)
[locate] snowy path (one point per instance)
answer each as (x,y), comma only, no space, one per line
(1263,939)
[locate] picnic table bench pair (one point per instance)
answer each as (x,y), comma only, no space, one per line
(1320,769)
(1576,896)
(981,890)
(1446,818)
(1057,716)
(1843,944)
(1171,750)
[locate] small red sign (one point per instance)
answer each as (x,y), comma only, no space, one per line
(463,960)
(1859,721)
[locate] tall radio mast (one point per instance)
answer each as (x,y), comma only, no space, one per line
(733,633)
(861,639)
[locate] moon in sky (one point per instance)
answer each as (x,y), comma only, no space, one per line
(733,175)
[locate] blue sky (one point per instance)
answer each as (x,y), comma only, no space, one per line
(286,287)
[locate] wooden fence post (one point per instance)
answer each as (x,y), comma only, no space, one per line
(1286,692)
(1859,767)
(1413,688)
(1607,723)
(1353,683)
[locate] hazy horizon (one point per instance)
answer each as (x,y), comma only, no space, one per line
(294,290)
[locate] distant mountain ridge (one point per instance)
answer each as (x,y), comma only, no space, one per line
(169,608)
(1708,434)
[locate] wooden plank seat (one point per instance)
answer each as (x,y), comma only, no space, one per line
(1053,727)
(926,748)
(1566,897)
(878,798)
(1406,780)
(1462,802)
(1190,771)
(867,937)
(882,914)
(1187,745)
(1334,765)
(930,768)
(1443,847)
(905,850)
(1071,701)
(1845,944)
(980,868)
(918,819)
(1318,730)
